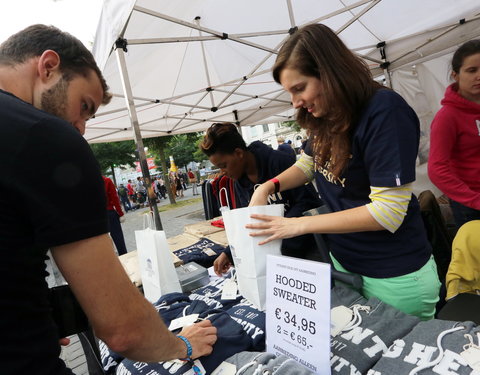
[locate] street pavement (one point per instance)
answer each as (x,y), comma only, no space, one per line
(173,220)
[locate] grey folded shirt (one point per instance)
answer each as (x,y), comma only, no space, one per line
(420,347)
(357,350)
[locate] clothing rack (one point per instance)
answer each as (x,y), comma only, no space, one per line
(217,192)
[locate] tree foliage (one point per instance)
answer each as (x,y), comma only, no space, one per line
(157,147)
(183,148)
(110,155)
(292,124)
(198,154)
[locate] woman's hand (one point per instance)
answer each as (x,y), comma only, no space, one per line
(260,195)
(276,227)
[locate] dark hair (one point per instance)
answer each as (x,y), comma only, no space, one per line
(316,51)
(223,138)
(466,49)
(75,58)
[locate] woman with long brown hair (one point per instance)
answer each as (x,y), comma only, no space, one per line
(362,150)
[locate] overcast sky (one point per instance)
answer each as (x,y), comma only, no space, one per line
(78,17)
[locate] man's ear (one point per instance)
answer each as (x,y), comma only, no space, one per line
(48,65)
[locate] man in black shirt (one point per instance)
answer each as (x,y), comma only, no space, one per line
(49,86)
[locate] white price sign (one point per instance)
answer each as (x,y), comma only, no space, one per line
(298,311)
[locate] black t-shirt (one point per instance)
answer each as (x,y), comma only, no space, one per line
(51,193)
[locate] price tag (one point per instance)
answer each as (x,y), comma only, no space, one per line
(209,252)
(298,311)
(184,321)
(229,290)
(340,317)
(472,356)
(225,368)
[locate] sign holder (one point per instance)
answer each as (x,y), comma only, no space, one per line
(298,311)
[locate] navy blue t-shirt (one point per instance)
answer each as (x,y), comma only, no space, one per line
(285,147)
(211,294)
(384,148)
(270,163)
(196,252)
(240,328)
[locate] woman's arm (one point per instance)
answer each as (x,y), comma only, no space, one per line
(290,178)
(356,219)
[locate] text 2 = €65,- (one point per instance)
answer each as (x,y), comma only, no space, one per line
(301,324)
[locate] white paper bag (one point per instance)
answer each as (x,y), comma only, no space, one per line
(249,257)
(156,265)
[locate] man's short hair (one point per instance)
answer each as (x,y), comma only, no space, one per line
(223,138)
(75,58)
(280,140)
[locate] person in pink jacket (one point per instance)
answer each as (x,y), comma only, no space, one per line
(454,161)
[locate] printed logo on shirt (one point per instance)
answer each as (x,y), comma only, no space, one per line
(329,176)
(276,198)
(478,126)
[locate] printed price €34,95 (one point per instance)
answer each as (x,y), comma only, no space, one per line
(301,324)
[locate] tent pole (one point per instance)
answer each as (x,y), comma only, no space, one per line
(120,49)
(385,64)
(388,78)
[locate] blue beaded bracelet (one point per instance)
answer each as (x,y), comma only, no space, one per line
(189,347)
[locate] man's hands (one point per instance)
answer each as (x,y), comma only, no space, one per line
(221,264)
(202,336)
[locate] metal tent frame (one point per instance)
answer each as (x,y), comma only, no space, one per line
(177,72)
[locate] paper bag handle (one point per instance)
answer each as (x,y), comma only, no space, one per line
(227,207)
(148,221)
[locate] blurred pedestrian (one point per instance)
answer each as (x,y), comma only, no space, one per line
(114,211)
(178,185)
(123,194)
(192,178)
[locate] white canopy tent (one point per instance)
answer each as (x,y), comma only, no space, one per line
(178,66)
(188,63)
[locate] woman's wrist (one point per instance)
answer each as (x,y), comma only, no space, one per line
(276,184)
(303,225)
(269,187)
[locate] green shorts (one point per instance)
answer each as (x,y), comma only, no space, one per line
(416,293)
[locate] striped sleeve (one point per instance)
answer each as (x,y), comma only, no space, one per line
(305,163)
(389,205)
